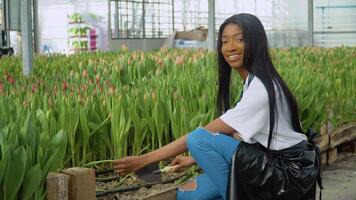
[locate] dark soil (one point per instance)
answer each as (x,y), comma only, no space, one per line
(142,192)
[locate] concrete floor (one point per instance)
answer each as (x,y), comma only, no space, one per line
(339,180)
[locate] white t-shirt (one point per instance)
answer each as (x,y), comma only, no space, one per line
(250,118)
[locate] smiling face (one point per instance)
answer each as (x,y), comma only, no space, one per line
(233,46)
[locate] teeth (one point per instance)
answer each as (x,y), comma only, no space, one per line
(233,57)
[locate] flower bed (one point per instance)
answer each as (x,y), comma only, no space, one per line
(86,107)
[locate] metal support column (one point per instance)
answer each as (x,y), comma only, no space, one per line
(109,23)
(173,16)
(143,19)
(116,20)
(310,22)
(26,30)
(37,43)
(211,25)
(7,21)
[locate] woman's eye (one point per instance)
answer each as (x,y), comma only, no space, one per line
(239,39)
(224,41)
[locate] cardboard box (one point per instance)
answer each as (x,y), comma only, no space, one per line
(190,44)
(200,35)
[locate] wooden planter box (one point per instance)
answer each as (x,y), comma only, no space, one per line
(72,184)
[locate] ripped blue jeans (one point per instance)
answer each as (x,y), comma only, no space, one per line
(213,153)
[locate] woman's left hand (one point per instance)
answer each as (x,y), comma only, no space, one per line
(182,162)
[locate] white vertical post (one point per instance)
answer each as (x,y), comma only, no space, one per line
(310,22)
(211,25)
(7,21)
(26,30)
(36,35)
(109,38)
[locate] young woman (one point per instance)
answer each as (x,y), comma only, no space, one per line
(267,114)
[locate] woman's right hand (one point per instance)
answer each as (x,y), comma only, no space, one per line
(182,162)
(128,164)
(133,163)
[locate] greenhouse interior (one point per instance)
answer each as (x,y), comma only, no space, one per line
(173,99)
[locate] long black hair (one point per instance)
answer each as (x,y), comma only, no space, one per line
(257,61)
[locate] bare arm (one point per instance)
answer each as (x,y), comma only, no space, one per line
(218,125)
(168,151)
(179,146)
